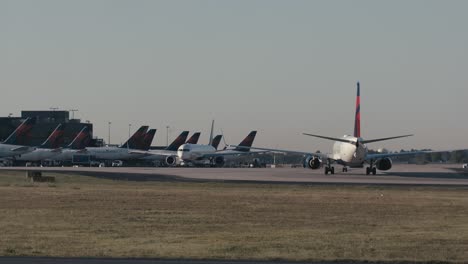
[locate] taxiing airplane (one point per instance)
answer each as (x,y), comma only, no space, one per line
(13,146)
(349,151)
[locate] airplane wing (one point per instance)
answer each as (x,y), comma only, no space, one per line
(22,148)
(389,155)
(320,155)
(152,153)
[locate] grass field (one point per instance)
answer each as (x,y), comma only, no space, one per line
(85,216)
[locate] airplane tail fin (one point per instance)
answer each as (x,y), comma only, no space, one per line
(136,140)
(216,141)
(55,138)
(178,141)
(194,138)
(357,117)
(148,139)
(81,139)
(21,134)
(247,142)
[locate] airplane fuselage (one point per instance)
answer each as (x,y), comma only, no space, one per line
(111,153)
(348,154)
(38,155)
(7,150)
(66,154)
(191,152)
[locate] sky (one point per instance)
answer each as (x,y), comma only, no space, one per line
(279,67)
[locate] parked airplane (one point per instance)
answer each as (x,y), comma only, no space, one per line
(349,151)
(196,153)
(123,152)
(13,146)
(48,149)
(167,155)
(78,145)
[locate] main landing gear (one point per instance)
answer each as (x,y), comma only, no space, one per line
(329,168)
(371,168)
(345,169)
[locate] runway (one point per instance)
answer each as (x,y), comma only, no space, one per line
(401,174)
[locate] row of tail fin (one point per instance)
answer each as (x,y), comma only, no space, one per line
(141,139)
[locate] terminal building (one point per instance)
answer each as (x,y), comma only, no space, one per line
(45,123)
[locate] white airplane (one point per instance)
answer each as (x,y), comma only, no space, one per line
(48,149)
(123,152)
(13,146)
(168,154)
(201,154)
(349,151)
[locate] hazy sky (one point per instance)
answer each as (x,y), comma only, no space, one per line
(280,67)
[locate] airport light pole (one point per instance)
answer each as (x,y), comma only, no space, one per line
(129,129)
(108,135)
(167,136)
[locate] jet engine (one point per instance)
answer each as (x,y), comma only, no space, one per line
(313,162)
(171,160)
(383,164)
(219,161)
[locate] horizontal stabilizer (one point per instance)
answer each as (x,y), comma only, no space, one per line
(383,139)
(330,138)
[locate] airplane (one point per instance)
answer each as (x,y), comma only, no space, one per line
(48,149)
(349,151)
(168,155)
(199,154)
(123,152)
(13,146)
(77,145)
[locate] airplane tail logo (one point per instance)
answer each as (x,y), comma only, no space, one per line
(247,142)
(136,141)
(178,141)
(357,118)
(216,141)
(22,133)
(148,139)
(81,140)
(55,139)
(194,138)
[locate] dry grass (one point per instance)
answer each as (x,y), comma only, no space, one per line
(84,216)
